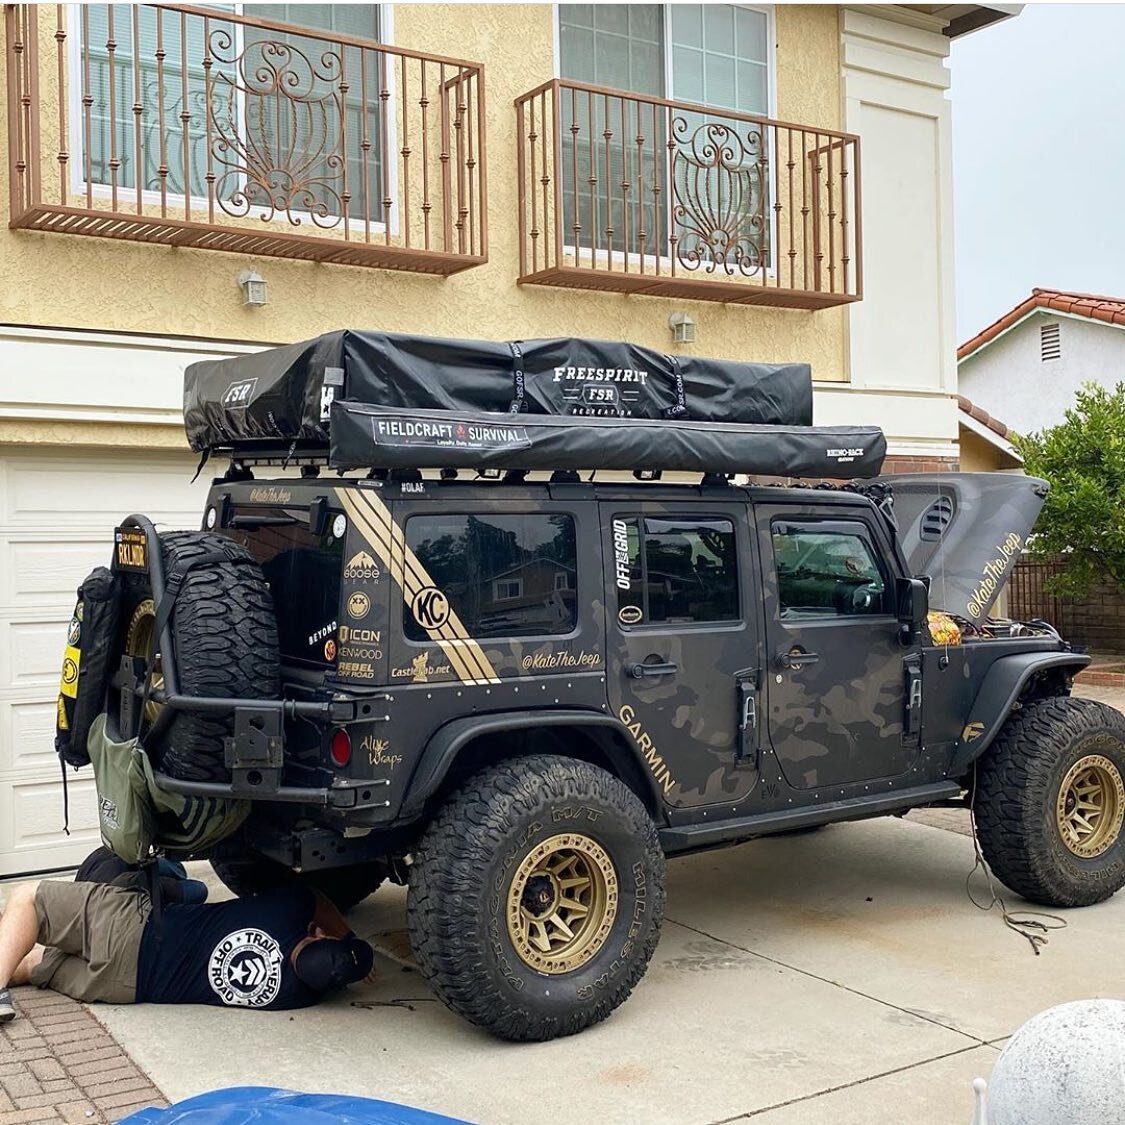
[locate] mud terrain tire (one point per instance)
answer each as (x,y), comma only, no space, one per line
(1025,794)
(249,873)
(225,637)
(510,838)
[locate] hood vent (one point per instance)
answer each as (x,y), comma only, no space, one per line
(936,519)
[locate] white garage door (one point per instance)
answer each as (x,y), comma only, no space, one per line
(58,509)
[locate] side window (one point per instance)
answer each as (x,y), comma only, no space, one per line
(670,570)
(503,575)
(826,572)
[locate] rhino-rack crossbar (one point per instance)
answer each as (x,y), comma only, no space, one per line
(255,753)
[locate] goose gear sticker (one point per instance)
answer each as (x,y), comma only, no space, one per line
(245,969)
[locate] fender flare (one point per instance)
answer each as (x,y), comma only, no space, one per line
(447,742)
(1002,685)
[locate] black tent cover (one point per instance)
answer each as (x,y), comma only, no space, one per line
(372,399)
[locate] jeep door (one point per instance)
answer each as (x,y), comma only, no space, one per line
(681,644)
(836,675)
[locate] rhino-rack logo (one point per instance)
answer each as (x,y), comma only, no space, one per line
(601,390)
(842,455)
(238,395)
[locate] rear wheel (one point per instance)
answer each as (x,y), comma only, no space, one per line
(536,897)
(1050,802)
(225,638)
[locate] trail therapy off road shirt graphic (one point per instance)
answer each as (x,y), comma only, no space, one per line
(245,969)
(235,954)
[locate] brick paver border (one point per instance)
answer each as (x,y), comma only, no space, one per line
(58,1064)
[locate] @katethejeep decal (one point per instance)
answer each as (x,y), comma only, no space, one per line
(238,395)
(245,969)
(430,608)
(447,435)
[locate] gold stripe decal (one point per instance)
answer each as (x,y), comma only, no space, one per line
(373,520)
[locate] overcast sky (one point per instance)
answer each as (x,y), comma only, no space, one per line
(1039,158)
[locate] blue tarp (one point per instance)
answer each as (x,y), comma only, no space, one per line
(266,1105)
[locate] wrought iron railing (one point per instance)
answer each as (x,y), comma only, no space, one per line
(194,126)
(633,193)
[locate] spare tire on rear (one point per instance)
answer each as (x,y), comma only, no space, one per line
(225,637)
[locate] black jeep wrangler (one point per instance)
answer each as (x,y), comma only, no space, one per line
(519,695)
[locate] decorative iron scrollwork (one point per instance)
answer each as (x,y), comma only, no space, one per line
(720,184)
(278,115)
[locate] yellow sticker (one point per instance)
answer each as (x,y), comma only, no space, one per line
(72,657)
(62,723)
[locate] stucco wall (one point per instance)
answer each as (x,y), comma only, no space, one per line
(1010,380)
(71,281)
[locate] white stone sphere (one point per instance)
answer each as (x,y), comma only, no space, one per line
(1065,1066)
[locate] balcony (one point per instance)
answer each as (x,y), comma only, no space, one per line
(186,126)
(636,194)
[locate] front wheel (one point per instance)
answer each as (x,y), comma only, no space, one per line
(1050,802)
(536,897)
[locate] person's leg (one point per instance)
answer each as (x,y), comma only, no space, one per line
(28,965)
(19,927)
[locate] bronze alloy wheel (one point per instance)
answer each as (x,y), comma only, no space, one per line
(562,903)
(1090,806)
(139,642)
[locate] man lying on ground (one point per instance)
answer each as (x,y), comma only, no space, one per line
(284,949)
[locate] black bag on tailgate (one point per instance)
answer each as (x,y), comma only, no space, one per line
(85,669)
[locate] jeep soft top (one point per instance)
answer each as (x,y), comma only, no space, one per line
(473,663)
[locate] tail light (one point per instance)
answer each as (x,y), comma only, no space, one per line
(341,747)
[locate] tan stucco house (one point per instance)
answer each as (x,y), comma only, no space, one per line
(778,176)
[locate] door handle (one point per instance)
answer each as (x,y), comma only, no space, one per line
(797,658)
(638,671)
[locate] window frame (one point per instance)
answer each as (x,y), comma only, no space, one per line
(642,517)
(839,525)
(180,200)
(404,518)
(608,257)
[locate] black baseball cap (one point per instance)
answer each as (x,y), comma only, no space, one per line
(332,963)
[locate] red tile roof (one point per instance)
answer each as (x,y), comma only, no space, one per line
(1108,309)
(982,416)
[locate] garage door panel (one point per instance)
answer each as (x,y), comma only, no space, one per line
(33,839)
(31,652)
(41,572)
(95,494)
(27,737)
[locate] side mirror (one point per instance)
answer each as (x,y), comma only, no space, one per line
(912,599)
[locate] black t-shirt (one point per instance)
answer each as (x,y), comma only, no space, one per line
(231,953)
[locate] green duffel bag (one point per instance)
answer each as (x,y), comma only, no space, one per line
(137,818)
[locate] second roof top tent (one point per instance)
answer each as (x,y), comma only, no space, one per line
(352,399)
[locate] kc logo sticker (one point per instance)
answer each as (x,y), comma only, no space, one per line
(245,969)
(430,608)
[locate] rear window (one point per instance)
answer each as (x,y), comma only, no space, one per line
(303,571)
(503,575)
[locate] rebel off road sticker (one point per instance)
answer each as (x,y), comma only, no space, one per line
(245,969)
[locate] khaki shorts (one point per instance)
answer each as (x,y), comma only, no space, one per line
(93,937)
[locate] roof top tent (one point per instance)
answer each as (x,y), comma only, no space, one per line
(353,399)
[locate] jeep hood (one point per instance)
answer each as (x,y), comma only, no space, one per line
(966,531)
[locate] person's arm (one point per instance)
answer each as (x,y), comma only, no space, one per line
(327,918)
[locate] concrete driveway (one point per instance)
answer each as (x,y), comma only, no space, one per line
(837,977)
